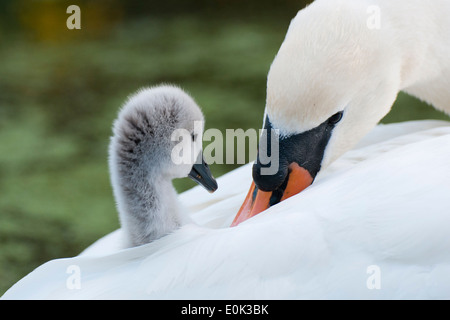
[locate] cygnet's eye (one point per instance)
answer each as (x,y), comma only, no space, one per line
(194,137)
(334,119)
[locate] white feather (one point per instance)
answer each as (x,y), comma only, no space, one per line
(384,203)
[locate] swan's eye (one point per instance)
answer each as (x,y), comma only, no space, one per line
(336,118)
(194,137)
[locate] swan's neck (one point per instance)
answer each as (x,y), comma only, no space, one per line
(146,200)
(421,31)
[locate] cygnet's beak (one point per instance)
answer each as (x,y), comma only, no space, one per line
(201,174)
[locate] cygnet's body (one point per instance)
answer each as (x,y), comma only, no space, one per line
(148,128)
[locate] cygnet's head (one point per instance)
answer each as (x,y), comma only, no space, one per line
(159,133)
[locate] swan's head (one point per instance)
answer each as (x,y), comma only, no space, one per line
(331,82)
(159,131)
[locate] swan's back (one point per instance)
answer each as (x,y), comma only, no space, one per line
(380,212)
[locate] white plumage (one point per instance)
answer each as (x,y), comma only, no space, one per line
(333,59)
(384,203)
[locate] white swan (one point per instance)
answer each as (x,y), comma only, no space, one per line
(337,74)
(352,234)
(373,225)
(150,125)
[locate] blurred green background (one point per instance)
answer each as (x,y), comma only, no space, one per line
(61,89)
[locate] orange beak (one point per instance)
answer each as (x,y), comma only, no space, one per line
(258,201)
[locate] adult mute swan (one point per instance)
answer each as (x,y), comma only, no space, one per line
(352,234)
(375,222)
(336,75)
(149,126)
